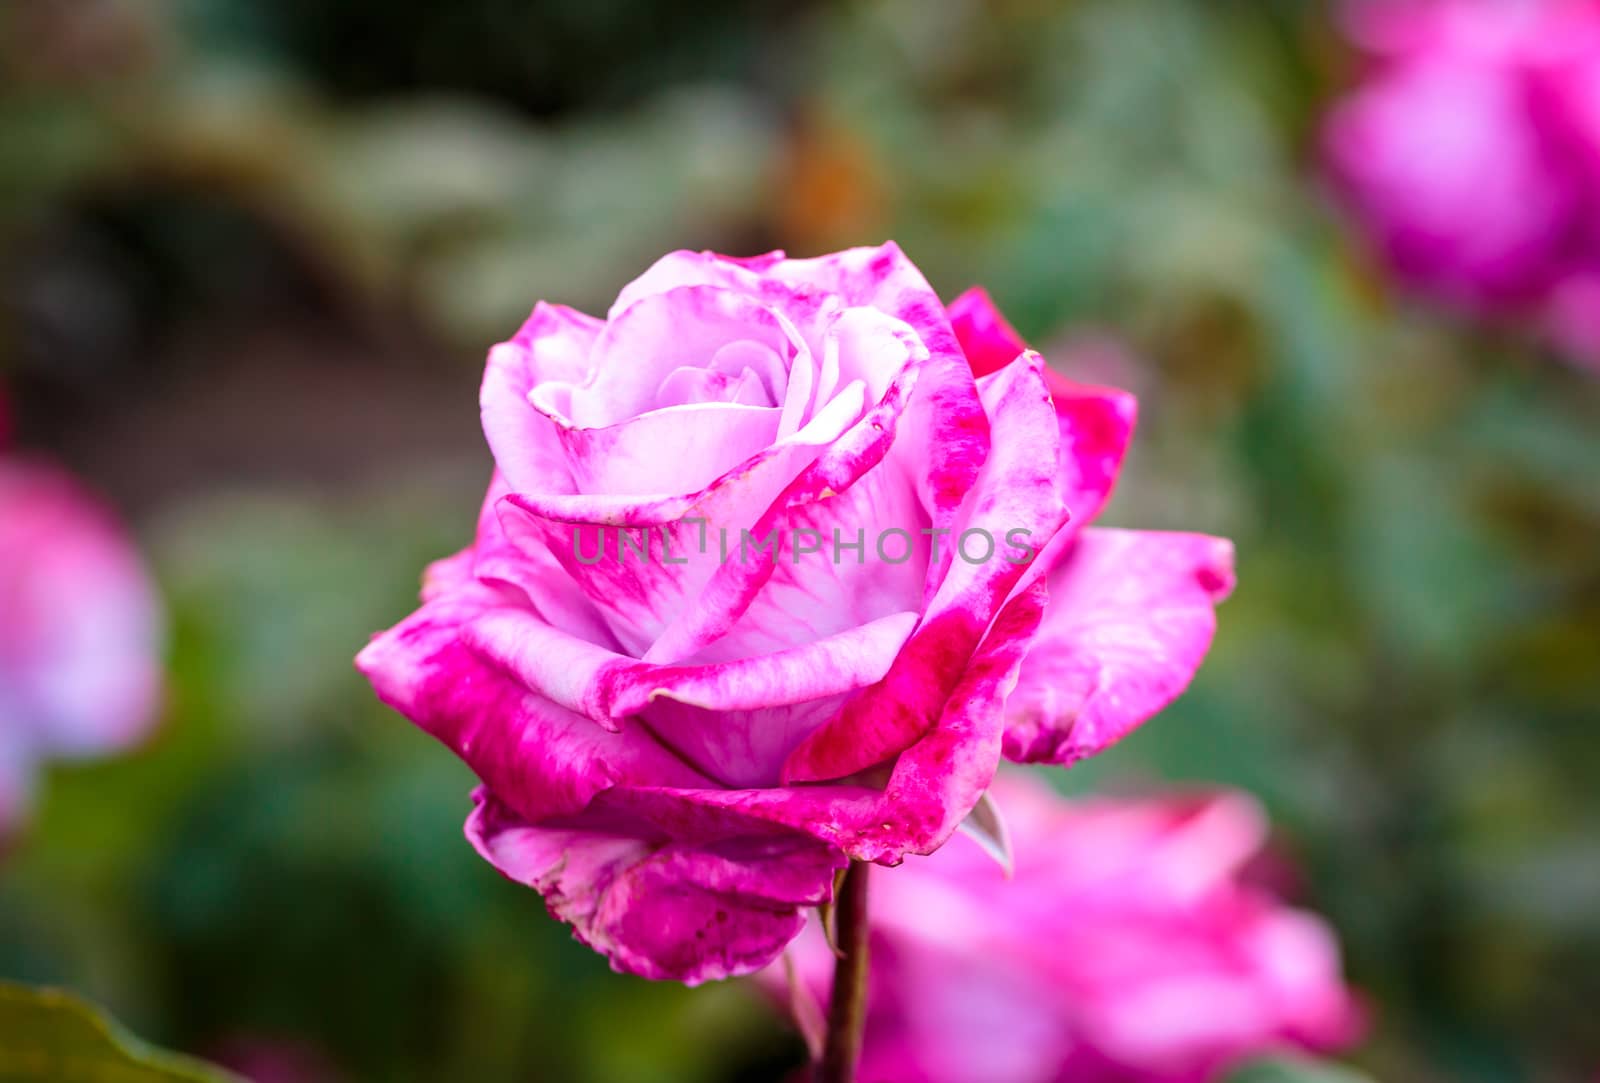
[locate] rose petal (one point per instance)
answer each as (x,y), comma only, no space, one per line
(1130,618)
(676,449)
(732,721)
(738,721)
(986,337)
(1096,428)
(657,908)
(851,659)
(1096,422)
(552,346)
(539,757)
(522,560)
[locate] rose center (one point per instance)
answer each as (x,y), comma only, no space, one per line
(746,371)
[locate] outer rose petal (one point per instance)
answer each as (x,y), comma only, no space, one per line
(527,705)
(543,759)
(643,877)
(659,908)
(1096,428)
(1096,422)
(1130,618)
(986,337)
(531,569)
(554,344)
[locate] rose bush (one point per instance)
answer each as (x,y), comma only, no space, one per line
(1130,946)
(682,735)
(80,630)
(1471,155)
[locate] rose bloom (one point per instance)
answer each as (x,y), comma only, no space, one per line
(80,630)
(1471,155)
(1129,946)
(679,752)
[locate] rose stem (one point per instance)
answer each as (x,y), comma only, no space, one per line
(847,1008)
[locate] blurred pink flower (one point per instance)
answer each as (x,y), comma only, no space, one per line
(273,1060)
(1470,153)
(80,630)
(679,749)
(1131,946)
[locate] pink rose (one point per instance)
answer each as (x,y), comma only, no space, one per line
(1130,946)
(80,630)
(683,732)
(1471,153)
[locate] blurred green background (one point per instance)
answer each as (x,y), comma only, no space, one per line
(251,254)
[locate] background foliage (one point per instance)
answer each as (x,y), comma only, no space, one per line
(250,256)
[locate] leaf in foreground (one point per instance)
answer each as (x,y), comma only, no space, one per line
(50,1035)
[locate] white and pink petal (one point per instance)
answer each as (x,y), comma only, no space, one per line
(656,906)
(1130,619)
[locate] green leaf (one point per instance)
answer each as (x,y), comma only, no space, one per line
(47,1036)
(1292,1070)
